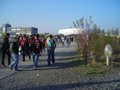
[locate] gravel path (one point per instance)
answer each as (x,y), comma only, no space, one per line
(61,76)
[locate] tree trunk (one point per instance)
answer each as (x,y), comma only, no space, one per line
(85,55)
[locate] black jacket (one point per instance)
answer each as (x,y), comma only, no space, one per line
(36,47)
(32,47)
(15,47)
(5,46)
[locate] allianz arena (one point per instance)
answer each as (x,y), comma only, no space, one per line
(69,31)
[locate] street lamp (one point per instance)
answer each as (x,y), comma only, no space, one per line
(108,52)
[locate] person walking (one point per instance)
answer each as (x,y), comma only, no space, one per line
(22,44)
(25,48)
(6,50)
(35,48)
(15,55)
(43,44)
(51,45)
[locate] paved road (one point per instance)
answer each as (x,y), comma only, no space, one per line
(64,75)
(60,53)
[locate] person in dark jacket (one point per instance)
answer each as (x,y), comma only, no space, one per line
(36,46)
(15,55)
(6,50)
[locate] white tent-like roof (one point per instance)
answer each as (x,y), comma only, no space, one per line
(69,31)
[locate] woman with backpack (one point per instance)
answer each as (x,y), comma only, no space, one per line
(51,45)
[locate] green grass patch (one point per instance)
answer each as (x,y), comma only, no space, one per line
(94,69)
(77,61)
(115,64)
(99,67)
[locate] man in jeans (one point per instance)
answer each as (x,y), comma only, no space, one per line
(51,45)
(15,55)
(35,49)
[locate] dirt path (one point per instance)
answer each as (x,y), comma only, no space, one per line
(60,76)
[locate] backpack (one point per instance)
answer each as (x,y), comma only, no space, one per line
(51,43)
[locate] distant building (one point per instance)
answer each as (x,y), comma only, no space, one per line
(6,28)
(22,30)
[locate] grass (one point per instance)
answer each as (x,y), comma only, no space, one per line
(98,68)
(94,69)
(115,64)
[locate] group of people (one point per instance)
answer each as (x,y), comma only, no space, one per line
(31,46)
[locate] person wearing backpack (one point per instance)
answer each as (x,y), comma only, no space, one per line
(51,45)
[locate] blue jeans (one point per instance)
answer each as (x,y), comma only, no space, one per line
(50,55)
(15,58)
(35,59)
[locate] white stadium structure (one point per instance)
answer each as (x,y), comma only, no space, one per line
(69,31)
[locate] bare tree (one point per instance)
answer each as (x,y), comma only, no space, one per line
(84,37)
